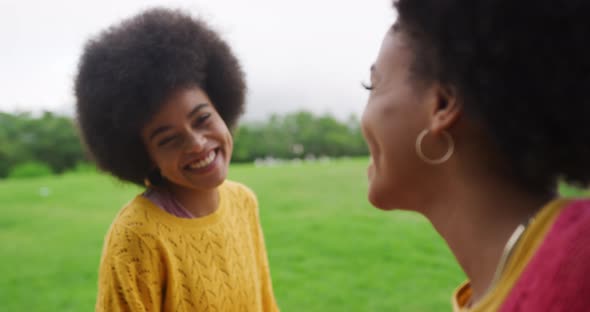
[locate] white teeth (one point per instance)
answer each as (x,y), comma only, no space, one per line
(203,163)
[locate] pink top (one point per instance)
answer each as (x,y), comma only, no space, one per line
(557,278)
(167,202)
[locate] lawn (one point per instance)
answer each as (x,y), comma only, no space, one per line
(329,250)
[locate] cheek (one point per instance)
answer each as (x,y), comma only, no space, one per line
(164,159)
(229,146)
(369,122)
(154,157)
(229,139)
(379,171)
(386,176)
(365,117)
(226,137)
(166,162)
(380,187)
(391,150)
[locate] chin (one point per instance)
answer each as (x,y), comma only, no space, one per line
(202,183)
(212,185)
(378,201)
(380,198)
(211,182)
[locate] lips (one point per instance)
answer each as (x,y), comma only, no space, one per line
(203,161)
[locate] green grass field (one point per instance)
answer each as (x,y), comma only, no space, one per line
(329,249)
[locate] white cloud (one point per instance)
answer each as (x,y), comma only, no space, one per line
(296,54)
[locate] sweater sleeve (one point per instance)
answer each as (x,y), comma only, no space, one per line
(268,298)
(130,276)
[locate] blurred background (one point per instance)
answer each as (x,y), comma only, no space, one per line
(303,54)
(299,147)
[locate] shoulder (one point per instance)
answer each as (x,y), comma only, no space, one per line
(242,200)
(574,217)
(553,276)
(570,233)
(138,215)
(133,229)
(238,191)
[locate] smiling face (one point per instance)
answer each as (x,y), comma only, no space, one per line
(188,141)
(395,113)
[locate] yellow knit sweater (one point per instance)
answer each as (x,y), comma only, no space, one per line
(153,261)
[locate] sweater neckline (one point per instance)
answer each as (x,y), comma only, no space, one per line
(192,223)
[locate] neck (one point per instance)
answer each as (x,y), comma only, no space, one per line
(476,217)
(198,202)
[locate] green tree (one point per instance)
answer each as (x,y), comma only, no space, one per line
(49,139)
(298,134)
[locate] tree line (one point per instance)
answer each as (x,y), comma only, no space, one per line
(51,140)
(299,135)
(48,139)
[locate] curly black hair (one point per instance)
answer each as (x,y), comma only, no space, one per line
(523,70)
(127,72)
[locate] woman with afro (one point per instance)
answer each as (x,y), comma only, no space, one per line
(157,96)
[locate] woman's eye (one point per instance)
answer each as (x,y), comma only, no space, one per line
(167,140)
(201,119)
(367,86)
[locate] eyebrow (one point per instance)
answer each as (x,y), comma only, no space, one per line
(196,109)
(165,128)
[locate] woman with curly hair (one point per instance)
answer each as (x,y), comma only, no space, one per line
(156,97)
(477,110)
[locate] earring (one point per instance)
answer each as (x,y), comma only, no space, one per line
(154,178)
(147,183)
(441,160)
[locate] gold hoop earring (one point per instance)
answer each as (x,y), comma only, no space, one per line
(441,160)
(147,183)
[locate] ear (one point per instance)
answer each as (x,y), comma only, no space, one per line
(155,177)
(445,109)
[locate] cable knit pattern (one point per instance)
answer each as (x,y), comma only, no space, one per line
(153,261)
(558,276)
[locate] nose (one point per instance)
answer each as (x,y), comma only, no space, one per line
(195,143)
(365,122)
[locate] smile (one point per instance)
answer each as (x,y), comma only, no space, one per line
(204,162)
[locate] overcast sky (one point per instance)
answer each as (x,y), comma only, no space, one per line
(305,54)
